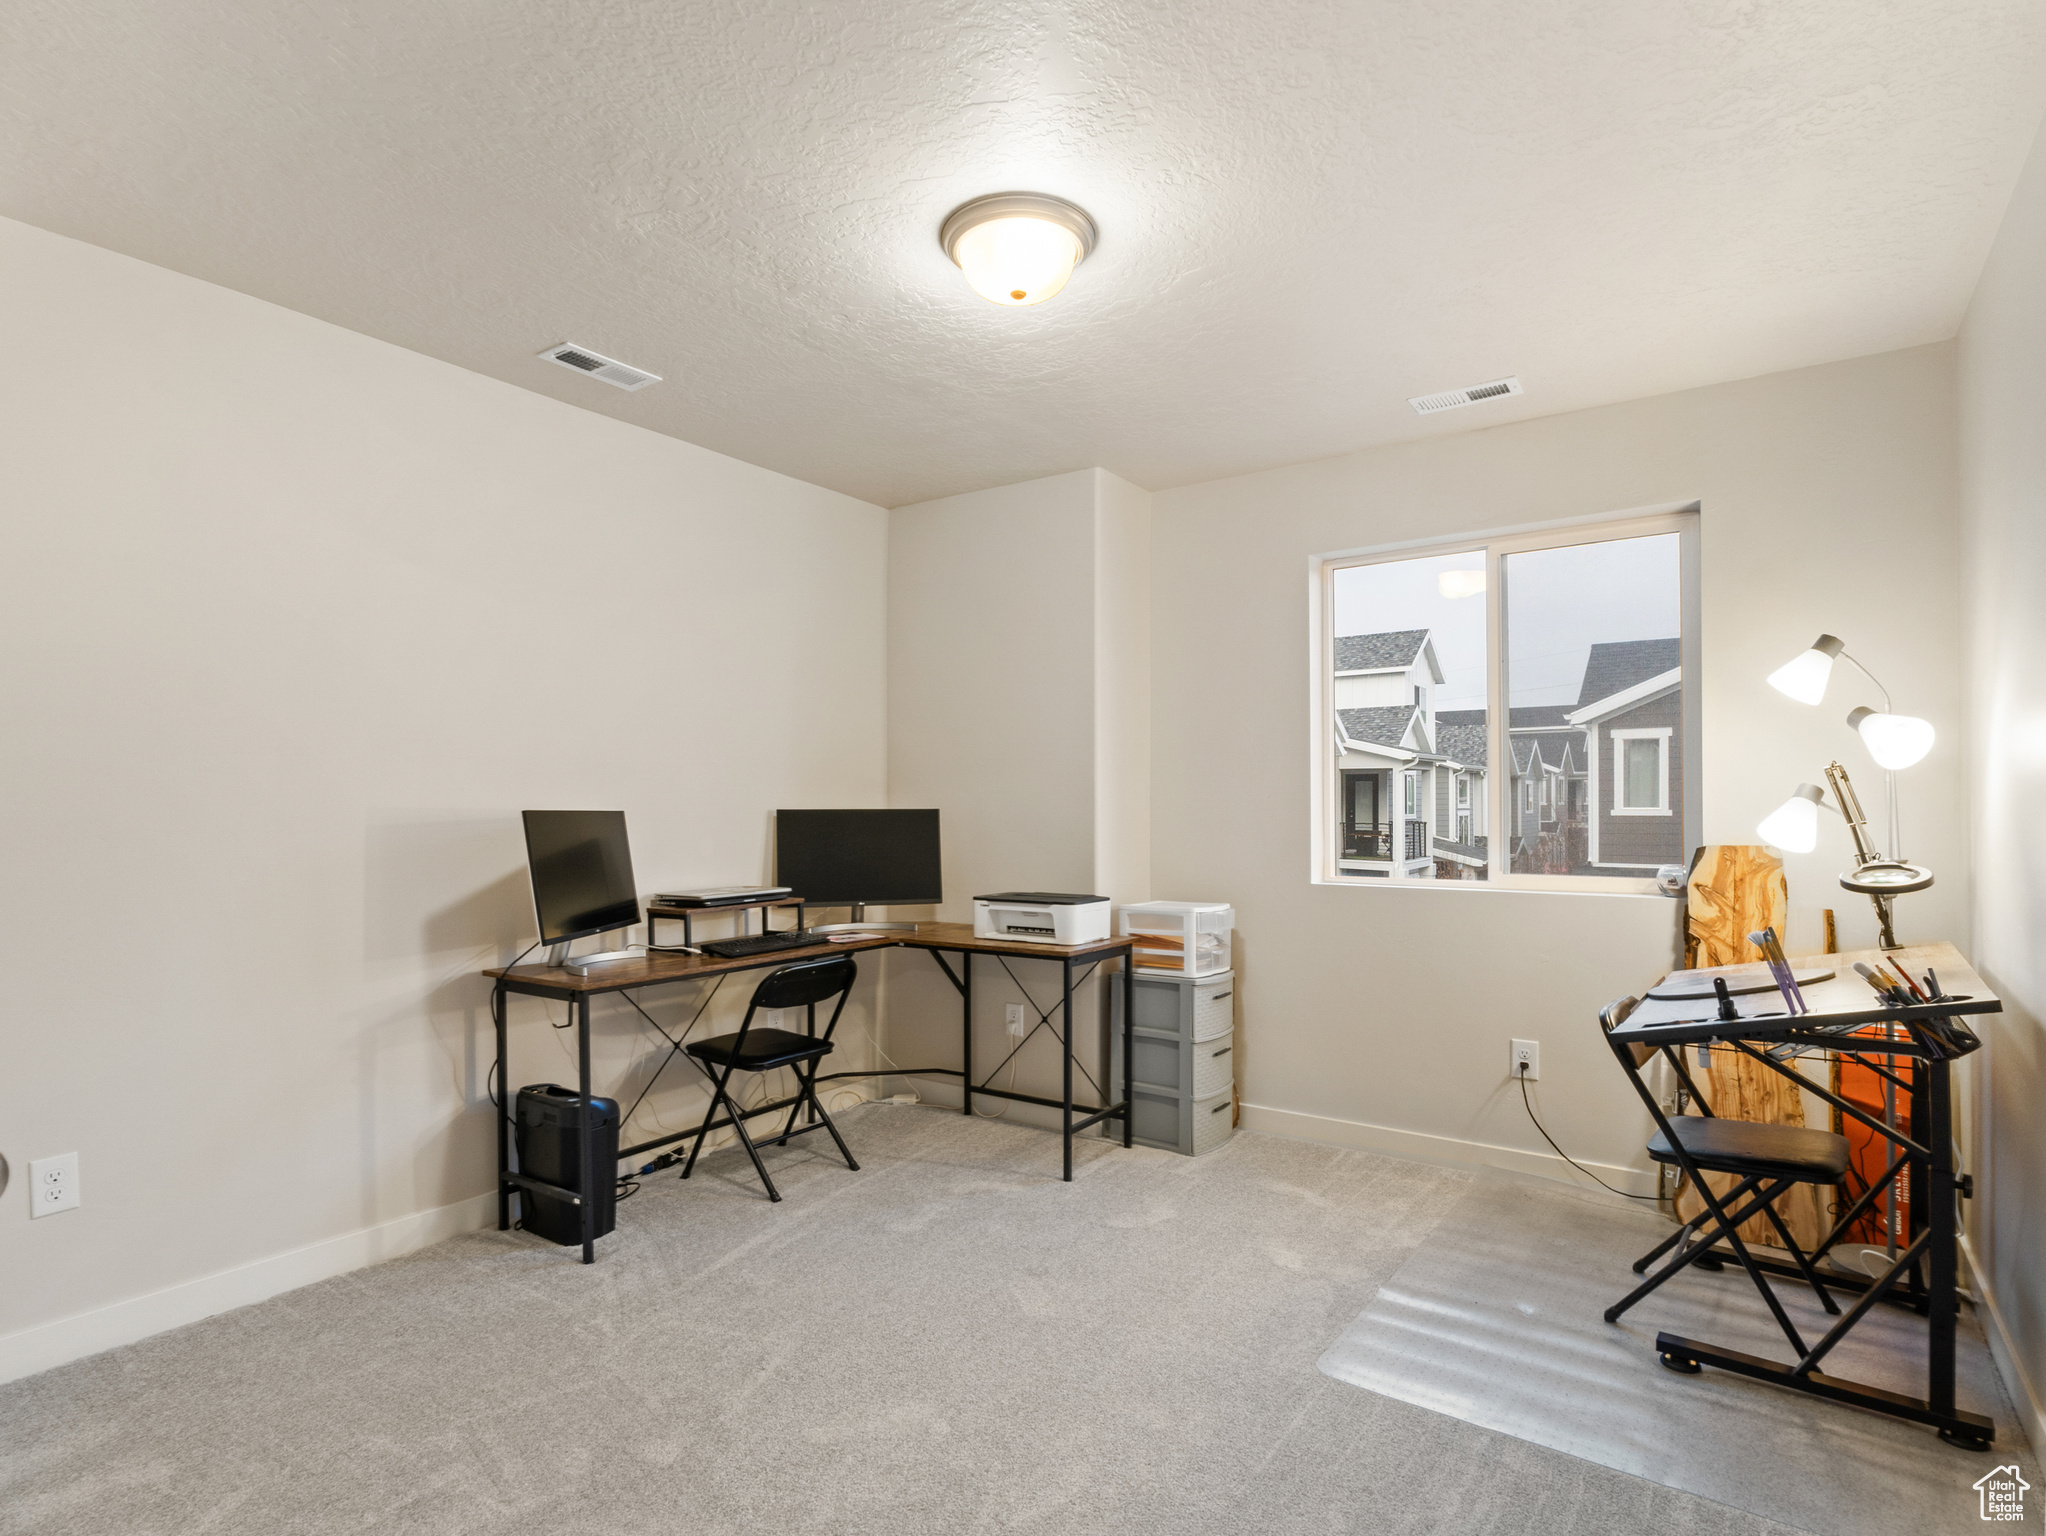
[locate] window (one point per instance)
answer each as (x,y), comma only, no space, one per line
(1641,772)
(1549,675)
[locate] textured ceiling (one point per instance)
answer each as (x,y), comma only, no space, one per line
(1308,211)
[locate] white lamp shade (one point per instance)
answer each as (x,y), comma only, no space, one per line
(1894,741)
(1794,825)
(1018,260)
(1804,676)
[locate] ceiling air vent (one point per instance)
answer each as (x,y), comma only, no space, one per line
(598,366)
(1451,399)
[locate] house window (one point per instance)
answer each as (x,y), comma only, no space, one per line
(1494,660)
(1641,772)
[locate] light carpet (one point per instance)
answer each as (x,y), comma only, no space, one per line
(950,1340)
(1497,1319)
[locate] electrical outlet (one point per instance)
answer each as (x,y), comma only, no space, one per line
(1013,1014)
(53,1185)
(1527,1060)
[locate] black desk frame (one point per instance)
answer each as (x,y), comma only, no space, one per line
(1930,1153)
(510,1180)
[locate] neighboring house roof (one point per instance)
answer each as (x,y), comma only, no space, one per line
(1559,748)
(1534,717)
(1468,743)
(1373,653)
(1614,704)
(1616,665)
(1383,725)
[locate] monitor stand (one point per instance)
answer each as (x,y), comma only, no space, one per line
(859,924)
(582,965)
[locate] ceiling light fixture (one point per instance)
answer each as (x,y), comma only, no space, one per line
(1017,248)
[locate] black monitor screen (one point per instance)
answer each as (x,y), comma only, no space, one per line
(838,858)
(582,873)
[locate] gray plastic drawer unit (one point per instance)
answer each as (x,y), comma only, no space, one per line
(1183,1062)
(1190,1007)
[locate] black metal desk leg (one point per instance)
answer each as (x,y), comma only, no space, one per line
(1067,967)
(586,1131)
(1129,1043)
(1939,1135)
(498,1004)
(966,1012)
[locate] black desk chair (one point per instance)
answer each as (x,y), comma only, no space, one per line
(804,984)
(1766,1159)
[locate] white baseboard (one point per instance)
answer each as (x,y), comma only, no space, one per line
(1439,1149)
(2016,1380)
(123,1322)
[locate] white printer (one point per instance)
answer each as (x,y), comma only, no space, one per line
(1041,917)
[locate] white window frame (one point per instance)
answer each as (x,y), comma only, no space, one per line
(1659,734)
(1501,812)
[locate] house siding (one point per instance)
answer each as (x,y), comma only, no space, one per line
(1643,841)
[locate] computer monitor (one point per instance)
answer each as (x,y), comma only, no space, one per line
(851,858)
(581,867)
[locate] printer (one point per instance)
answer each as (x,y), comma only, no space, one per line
(1041,917)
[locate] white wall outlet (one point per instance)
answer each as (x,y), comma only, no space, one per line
(1013,1016)
(53,1185)
(1527,1059)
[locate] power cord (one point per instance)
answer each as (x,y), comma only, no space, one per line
(497,1017)
(1521,1078)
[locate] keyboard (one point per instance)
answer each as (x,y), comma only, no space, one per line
(759,944)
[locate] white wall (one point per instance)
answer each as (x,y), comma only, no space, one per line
(2003,501)
(1381,1016)
(1018,699)
(297,623)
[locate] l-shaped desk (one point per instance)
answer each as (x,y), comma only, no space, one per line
(659,969)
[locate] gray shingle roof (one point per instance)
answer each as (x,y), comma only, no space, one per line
(1619,664)
(1393,648)
(1464,742)
(1385,724)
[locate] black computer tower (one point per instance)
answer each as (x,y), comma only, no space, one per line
(550,1148)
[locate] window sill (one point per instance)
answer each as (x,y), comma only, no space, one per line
(1631,887)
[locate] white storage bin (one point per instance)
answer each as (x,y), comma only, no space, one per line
(1187,938)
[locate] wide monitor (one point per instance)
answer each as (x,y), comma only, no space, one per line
(851,858)
(582,873)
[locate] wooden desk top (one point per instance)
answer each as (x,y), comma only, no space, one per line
(1844,1001)
(623,975)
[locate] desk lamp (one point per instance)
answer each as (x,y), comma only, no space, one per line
(1894,741)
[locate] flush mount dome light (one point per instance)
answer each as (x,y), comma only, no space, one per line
(1017,248)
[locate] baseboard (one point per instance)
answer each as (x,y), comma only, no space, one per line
(1439,1149)
(123,1322)
(2017,1381)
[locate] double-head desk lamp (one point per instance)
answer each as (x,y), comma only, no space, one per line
(1894,741)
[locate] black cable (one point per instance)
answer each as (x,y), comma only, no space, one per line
(1601,1183)
(497,996)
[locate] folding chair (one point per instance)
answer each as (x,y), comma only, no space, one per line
(804,984)
(1767,1160)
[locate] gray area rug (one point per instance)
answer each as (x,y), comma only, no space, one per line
(950,1340)
(1496,1319)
